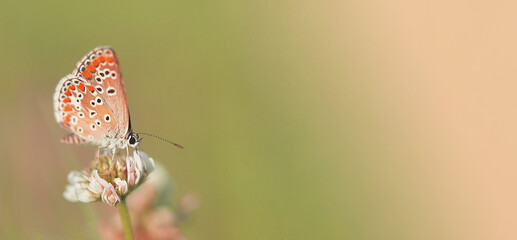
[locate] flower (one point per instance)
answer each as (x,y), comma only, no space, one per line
(152,215)
(110,179)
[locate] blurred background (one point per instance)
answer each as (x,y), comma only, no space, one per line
(300,119)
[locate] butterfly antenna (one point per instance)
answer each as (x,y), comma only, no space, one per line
(163,139)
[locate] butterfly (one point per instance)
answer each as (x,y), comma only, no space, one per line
(91,103)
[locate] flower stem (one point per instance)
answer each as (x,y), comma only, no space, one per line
(126,222)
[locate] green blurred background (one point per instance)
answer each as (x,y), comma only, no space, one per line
(300,119)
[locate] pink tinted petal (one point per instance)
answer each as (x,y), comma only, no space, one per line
(110,196)
(121,186)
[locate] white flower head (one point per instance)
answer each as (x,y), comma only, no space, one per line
(111,178)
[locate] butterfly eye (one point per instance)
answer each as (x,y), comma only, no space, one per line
(133,140)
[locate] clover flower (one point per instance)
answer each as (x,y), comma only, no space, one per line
(109,179)
(152,215)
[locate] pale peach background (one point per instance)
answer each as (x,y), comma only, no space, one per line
(442,84)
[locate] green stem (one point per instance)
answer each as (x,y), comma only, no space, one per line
(126,222)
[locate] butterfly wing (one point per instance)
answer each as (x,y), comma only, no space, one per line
(100,67)
(80,109)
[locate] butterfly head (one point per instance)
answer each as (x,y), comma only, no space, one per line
(133,140)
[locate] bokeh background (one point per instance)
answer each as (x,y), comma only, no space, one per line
(300,119)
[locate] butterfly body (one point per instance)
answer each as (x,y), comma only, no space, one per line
(91,103)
